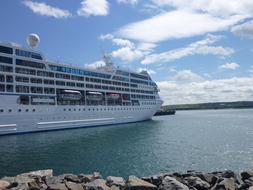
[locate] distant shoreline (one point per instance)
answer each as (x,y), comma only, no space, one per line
(210,106)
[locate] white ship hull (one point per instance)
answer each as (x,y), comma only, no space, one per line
(27,118)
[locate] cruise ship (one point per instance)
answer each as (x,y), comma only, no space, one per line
(40,95)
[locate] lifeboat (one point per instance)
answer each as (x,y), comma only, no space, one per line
(113,96)
(70,95)
(97,96)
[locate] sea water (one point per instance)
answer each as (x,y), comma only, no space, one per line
(204,140)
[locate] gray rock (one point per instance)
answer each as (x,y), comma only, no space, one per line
(97,184)
(73,178)
(246,174)
(96,175)
(57,186)
(209,178)
(135,183)
(117,181)
(55,179)
(155,180)
(4,184)
(85,178)
(251,188)
(197,183)
(228,174)
(41,173)
(115,188)
(33,186)
(170,183)
(73,186)
(226,184)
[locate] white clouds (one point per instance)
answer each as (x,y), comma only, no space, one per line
(186,76)
(230,66)
(95,65)
(176,24)
(127,54)
(132,2)
(174,91)
(200,47)
(93,8)
(46,10)
(127,51)
(215,7)
(244,30)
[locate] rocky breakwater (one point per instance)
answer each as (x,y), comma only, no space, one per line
(192,180)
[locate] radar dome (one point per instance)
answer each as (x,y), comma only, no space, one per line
(33,40)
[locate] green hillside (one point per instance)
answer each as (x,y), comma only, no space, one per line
(215,105)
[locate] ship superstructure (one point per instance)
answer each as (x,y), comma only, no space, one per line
(37,94)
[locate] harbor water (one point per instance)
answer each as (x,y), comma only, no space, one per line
(190,140)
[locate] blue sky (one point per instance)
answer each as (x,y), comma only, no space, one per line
(196,50)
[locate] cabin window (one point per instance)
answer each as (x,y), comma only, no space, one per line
(24,89)
(2,78)
(36,90)
(7,50)
(9,78)
(25,71)
(49,90)
(62,83)
(50,82)
(9,88)
(5,59)
(6,68)
(22,79)
(24,53)
(29,64)
(2,87)
(35,80)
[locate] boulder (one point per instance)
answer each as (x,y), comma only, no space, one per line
(96,175)
(246,174)
(33,186)
(170,183)
(228,174)
(57,186)
(41,173)
(155,180)
(85,178)
(97,184)
(251,188)
(73,186)
(117,181)
(226,184)
(115,188)
(55,179)
(135,183)
(4,184)
(198,183)
(209,178)
(73,178)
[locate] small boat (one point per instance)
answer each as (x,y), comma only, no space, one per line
(113,96)
(97,96)
(70,95)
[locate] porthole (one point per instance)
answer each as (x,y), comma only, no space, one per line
(33,110)
(1,110)
(10,110)
(19,110)
(27,110)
